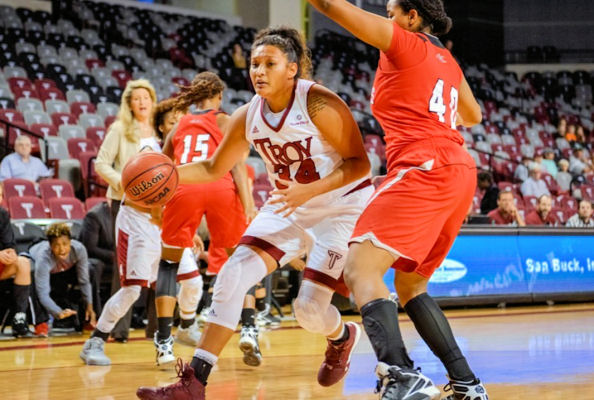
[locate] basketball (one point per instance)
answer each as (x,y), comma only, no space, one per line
(149,179)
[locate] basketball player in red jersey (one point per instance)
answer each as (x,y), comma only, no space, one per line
(419,96)
(314,154)
(195,138)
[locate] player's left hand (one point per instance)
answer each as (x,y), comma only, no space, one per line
(293,196)
(90,315)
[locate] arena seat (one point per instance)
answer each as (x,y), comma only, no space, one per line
(25,234)
(14,187)
(26,207)
(66,208)
(52,188)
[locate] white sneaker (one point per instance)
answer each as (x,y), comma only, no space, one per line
(466,390)
(203,315)
(396,383)
(164,350)
(248,344)
(189,336)
(93,352)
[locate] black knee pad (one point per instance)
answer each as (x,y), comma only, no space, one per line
(252,291)
(166,279)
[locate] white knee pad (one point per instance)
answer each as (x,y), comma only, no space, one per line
(189,295)
(243,270)
(117,306)
(313,310)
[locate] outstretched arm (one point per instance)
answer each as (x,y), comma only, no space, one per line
(231,151)
(369,27)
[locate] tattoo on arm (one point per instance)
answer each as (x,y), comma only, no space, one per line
(325,4)
(316,104)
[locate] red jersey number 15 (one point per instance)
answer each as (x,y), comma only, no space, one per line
(437,104)
(199,150)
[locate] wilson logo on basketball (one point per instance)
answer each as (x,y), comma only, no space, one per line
(143,186)
(161,195)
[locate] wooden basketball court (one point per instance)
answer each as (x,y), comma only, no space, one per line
(544,353)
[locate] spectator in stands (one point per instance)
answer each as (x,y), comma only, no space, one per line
(489,191)
(561,128)
(59,263)
(164,118)
(521,173)
(542,215)
(580,136)
(131,131)
(548,162)
(575,187)
(238,57)
(563,176)
(534,185)
(583,218)
(506,212)
(17,267)
(578,162)
(21,164)
(98,238)
(570,135)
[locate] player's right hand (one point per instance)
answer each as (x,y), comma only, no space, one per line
(65,313)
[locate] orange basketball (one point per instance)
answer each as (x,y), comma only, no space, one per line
(149,179)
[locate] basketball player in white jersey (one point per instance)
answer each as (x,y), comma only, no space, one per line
(315,158)
(138,251)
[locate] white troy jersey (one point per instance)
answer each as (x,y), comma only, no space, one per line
(294,150)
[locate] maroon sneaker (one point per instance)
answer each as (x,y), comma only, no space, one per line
(338,357)
(188,387)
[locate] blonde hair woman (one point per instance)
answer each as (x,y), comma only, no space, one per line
(129,134)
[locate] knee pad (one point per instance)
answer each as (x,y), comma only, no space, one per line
(166,279)
(189,296)
(117,306)
(243,270)
(125,298)
(240,272)
(313,310)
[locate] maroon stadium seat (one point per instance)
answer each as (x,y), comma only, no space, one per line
(26,207)
(50,188)
(66,208)
(14,187)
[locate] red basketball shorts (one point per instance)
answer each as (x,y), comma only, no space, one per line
(182,215)
(418,210)
(217,257)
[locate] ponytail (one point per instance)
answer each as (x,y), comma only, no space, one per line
(291,43)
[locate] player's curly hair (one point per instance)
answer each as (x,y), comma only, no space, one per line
(204,86)
(57,230)
(432,12)
(290,42)
(162,108)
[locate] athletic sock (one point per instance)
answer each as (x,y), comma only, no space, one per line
(102,335)
(21,297)
(186,323)
(164,327)
(380,320)
(344,336)
(202,363)
(435,330)
(261,304)
(248,317)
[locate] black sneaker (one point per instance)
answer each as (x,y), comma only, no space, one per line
(466,390)
(396,383)
(19,325)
